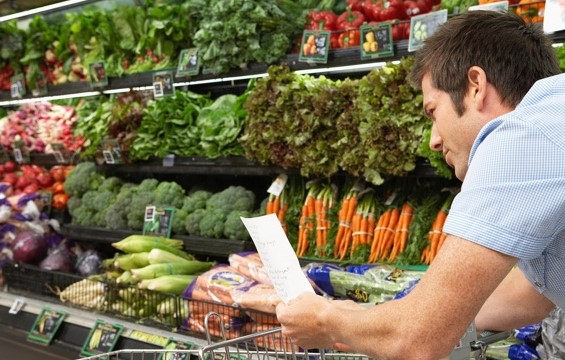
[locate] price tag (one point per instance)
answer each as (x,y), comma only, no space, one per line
(500,6)
(169,160)
(189,62)
(176,345)
(423,26)
(17,305)
(21,153)
(111,151)
(46,325)
(554,16)
(278,185)
(60,153)
(40,88)
(158,221)
(101,339)
(148,338)
(390,198)
(97,74)
(17,86)
(376,41)
(315,47)
(163,84)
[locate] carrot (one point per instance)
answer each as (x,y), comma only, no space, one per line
(389,233)
(437,226)
(376,236)
(276,205)
(270,201)
(344,241)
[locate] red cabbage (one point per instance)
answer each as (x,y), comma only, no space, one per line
(29,247)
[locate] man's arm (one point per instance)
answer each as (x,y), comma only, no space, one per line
(513,304)
(426,324)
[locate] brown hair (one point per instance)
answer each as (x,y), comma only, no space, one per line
(513,54)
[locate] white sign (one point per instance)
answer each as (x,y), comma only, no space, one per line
(278,256)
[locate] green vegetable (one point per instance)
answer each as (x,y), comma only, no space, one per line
(179,220)
(196,200)
(212,224)
(188,267)
(234,228)
(171,284)
(132,261)
(160,256)
(230,199)
(82,178)
(192,222)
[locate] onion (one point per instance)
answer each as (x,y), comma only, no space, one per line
(29,247)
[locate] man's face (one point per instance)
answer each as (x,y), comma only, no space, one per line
(451,134)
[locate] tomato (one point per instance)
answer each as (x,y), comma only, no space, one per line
(58,187)
(57,173)
(60,201)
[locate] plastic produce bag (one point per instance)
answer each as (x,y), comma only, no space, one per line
(553,335)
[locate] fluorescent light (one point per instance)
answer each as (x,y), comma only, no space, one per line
(345,68)
(209,81)
(116,91)
(41,9)
(48,98)
(245,77)
(142,88)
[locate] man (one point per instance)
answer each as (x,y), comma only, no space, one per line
(507,144)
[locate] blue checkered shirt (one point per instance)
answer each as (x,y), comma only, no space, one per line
(513,197)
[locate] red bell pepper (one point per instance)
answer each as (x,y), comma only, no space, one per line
(334,41)
(350,38)
(350,20)
(321,20)
(400,30)
(372,10)
(417,7)
(355,5)
(393,9)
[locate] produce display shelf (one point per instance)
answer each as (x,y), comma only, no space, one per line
(233,165)
(192,244)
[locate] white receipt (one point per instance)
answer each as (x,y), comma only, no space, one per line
(278,256)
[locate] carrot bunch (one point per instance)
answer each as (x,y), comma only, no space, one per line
(344,236)
(314,219)
(391,233)
(436,236)
(363,224)
(277,204)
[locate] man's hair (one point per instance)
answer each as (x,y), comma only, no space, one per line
(513,54)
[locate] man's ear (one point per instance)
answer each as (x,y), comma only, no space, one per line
(477,80)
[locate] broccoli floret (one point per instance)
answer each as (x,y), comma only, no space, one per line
(84,216)
(192,222)
(112,184)
(212,224)
(232,198)
(72,204)
(196,200)
(89,199)
(148,185)
(234,228)
(103,200)
(116,215)
(136,213)
(179,220)
(169,193)
(83,178)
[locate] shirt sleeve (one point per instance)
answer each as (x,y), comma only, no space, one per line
(513,197)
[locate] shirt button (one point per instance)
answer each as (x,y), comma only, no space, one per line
(537,283)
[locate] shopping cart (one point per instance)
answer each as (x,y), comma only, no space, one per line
(272,345)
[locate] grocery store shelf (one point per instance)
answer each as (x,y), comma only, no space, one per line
(195,245)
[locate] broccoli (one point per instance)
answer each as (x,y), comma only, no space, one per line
(192,222)
(196,200)
(116,215)
(179,220)
(169,193)
(83,216)
(148,185)
(72,204)
(232,198)
(83,178)
(212,224)
(103,200)
(234,228)
(136,210)
(112,184)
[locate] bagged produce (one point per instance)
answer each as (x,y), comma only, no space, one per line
(249,263)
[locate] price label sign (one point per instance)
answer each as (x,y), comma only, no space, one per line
(158,221)
(500,6)
(376,41)
(17,86)
(21,153)
(60,153)
(46,325)
(40,88)
(163,84)
(315,47)
(176,345)
(101,339)
(553,16)
(111,151)
(423,26)
(278,185)
(97,74)
(189,62)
